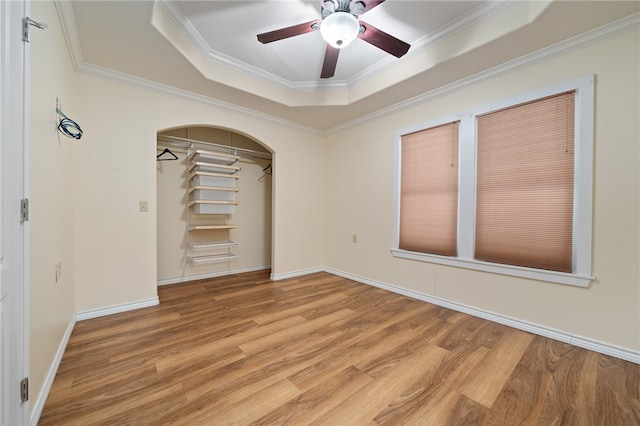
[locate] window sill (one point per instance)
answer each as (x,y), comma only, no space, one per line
(578,280)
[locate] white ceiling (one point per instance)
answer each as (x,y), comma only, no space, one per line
(209,49)
(297,60)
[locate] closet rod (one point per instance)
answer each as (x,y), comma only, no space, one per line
(192,143)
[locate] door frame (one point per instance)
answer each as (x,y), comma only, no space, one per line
(14,186)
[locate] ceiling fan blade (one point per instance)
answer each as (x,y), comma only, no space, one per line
(384,41)
(330,62)
(291,31)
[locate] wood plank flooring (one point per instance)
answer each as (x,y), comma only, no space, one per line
(324,350)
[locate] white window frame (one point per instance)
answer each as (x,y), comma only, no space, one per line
(583,188)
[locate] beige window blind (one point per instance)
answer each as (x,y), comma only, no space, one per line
(429,190)
(524,198)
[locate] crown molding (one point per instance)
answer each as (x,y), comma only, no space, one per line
(173,12)
(624,25)
(476,15)
(614,29)
(97,71)
(70,31)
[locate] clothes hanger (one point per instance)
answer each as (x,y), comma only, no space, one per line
(166,151)
(267,170)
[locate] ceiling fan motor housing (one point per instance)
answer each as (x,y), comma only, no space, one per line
(356,8)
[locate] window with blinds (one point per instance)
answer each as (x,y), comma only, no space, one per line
(505,187)
(429,192)
(524,186)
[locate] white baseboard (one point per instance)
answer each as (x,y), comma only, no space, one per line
(116,309)
(188,278)
(294,274)
(580,341)
(38,404)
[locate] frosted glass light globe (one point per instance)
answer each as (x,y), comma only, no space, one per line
(339,29)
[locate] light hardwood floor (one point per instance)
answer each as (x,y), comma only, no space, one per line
(321,349)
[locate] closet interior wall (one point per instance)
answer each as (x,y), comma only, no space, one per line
(252,215)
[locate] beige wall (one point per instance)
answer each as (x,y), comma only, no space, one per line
(116,244)
(85,195)
(51,195)
(252,215)
(360,199)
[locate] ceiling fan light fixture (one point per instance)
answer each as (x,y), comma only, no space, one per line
(339,29)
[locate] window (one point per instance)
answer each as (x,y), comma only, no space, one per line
(524,186)
(516,200)
(429,193)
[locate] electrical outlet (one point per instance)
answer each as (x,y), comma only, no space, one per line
(58,271)
(144,206)
(354,238)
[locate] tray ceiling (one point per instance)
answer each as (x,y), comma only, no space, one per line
(209,49)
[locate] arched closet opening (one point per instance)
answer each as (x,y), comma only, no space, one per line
(214,204)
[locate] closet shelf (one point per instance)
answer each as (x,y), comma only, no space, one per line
(210,245)
(203,227)
(212,258)
(211,174)
(212,188)
(213,168)
(212,157)
(218,202)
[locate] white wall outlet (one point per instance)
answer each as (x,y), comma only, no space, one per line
(144,206)
(58,271)
(354,238)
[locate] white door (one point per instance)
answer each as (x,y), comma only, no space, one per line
(14,85)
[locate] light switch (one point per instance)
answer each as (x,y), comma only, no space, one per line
(144,206)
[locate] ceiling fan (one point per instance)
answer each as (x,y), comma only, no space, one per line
(339,26)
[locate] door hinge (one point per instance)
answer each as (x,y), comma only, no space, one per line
(24,210)
(25,29)
(26,22)
(24,389)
